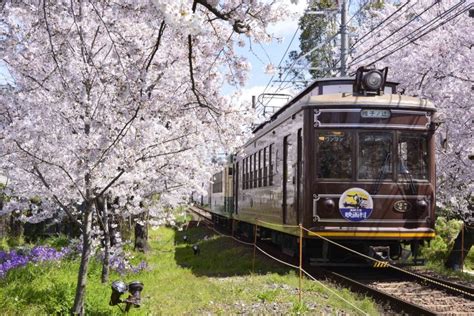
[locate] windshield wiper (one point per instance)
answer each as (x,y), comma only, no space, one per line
(404,170)
(378,182)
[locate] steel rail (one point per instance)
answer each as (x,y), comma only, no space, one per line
(397,304)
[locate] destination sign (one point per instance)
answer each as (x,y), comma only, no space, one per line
(375,113)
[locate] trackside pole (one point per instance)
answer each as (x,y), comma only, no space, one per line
(301,259)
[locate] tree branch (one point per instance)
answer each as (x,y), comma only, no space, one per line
(64,207)
(238,25)
(157,45)
(196,93)
(122,171)
(51,164)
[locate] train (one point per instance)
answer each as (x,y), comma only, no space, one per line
(349,159)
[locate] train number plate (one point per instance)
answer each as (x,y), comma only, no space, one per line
(375,113)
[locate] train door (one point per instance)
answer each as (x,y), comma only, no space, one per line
(299,178)
(285,179)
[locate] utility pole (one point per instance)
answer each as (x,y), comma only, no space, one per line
(344,36)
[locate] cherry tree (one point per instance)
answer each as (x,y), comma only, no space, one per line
(121,99)
(428,46)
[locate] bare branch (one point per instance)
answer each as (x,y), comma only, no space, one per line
(51,164)
(122,171)
(238,25)
(64,207)
(157,45)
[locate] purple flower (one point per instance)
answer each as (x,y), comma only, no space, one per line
(15,259)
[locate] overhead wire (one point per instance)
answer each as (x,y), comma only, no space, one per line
(283,84)
(423,30)
(379,24)
(411,34)
(283,57)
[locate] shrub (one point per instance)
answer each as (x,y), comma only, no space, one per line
(439,247)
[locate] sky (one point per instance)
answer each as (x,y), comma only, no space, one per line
(262,55)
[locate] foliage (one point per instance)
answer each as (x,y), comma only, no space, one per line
(176,283)
(316,30)
(446,231)
(120,99)
(318,40)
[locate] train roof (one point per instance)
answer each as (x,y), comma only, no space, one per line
(395,101)
(331,92)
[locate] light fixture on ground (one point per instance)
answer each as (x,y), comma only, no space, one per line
(119,288)
(196,250)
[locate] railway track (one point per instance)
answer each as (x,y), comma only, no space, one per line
(397,292)
(406,293)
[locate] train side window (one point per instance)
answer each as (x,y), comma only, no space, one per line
(255,170)
(247,173)
(260,162)
(334,155)
(251,171)
(243,174)
(271,160)
(413,156)
(217,185)
(375,155)
(265,166)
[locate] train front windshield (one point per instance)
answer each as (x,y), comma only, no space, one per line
(372,155)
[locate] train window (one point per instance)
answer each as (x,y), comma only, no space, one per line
(250,172)
(260,162)
(217,185)
(271,155)
(335,155)
(265,166)
(375,155)
(255,170)
(413,156)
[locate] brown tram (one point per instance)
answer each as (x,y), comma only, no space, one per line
(349,159)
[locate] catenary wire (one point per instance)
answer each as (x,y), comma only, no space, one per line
(418,33)
(369,50)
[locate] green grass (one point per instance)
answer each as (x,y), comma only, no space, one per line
(218,281)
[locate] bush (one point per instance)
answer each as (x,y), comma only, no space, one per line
(446,232)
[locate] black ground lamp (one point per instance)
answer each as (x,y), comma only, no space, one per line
(119,288)
(196,250)
(135,288)
(185,238)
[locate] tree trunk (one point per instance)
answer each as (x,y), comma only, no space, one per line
(106,262)
(141,234)
(78,307)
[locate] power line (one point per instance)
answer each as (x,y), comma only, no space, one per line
(394,32)
(469,6)
(378,25)
(419,32)
(282,57)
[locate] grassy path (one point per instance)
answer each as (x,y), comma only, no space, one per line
(218,281)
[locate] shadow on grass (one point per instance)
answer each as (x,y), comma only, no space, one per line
(220,256)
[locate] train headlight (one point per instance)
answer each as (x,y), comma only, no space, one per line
(370,81)
(422,205)
(373,80)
